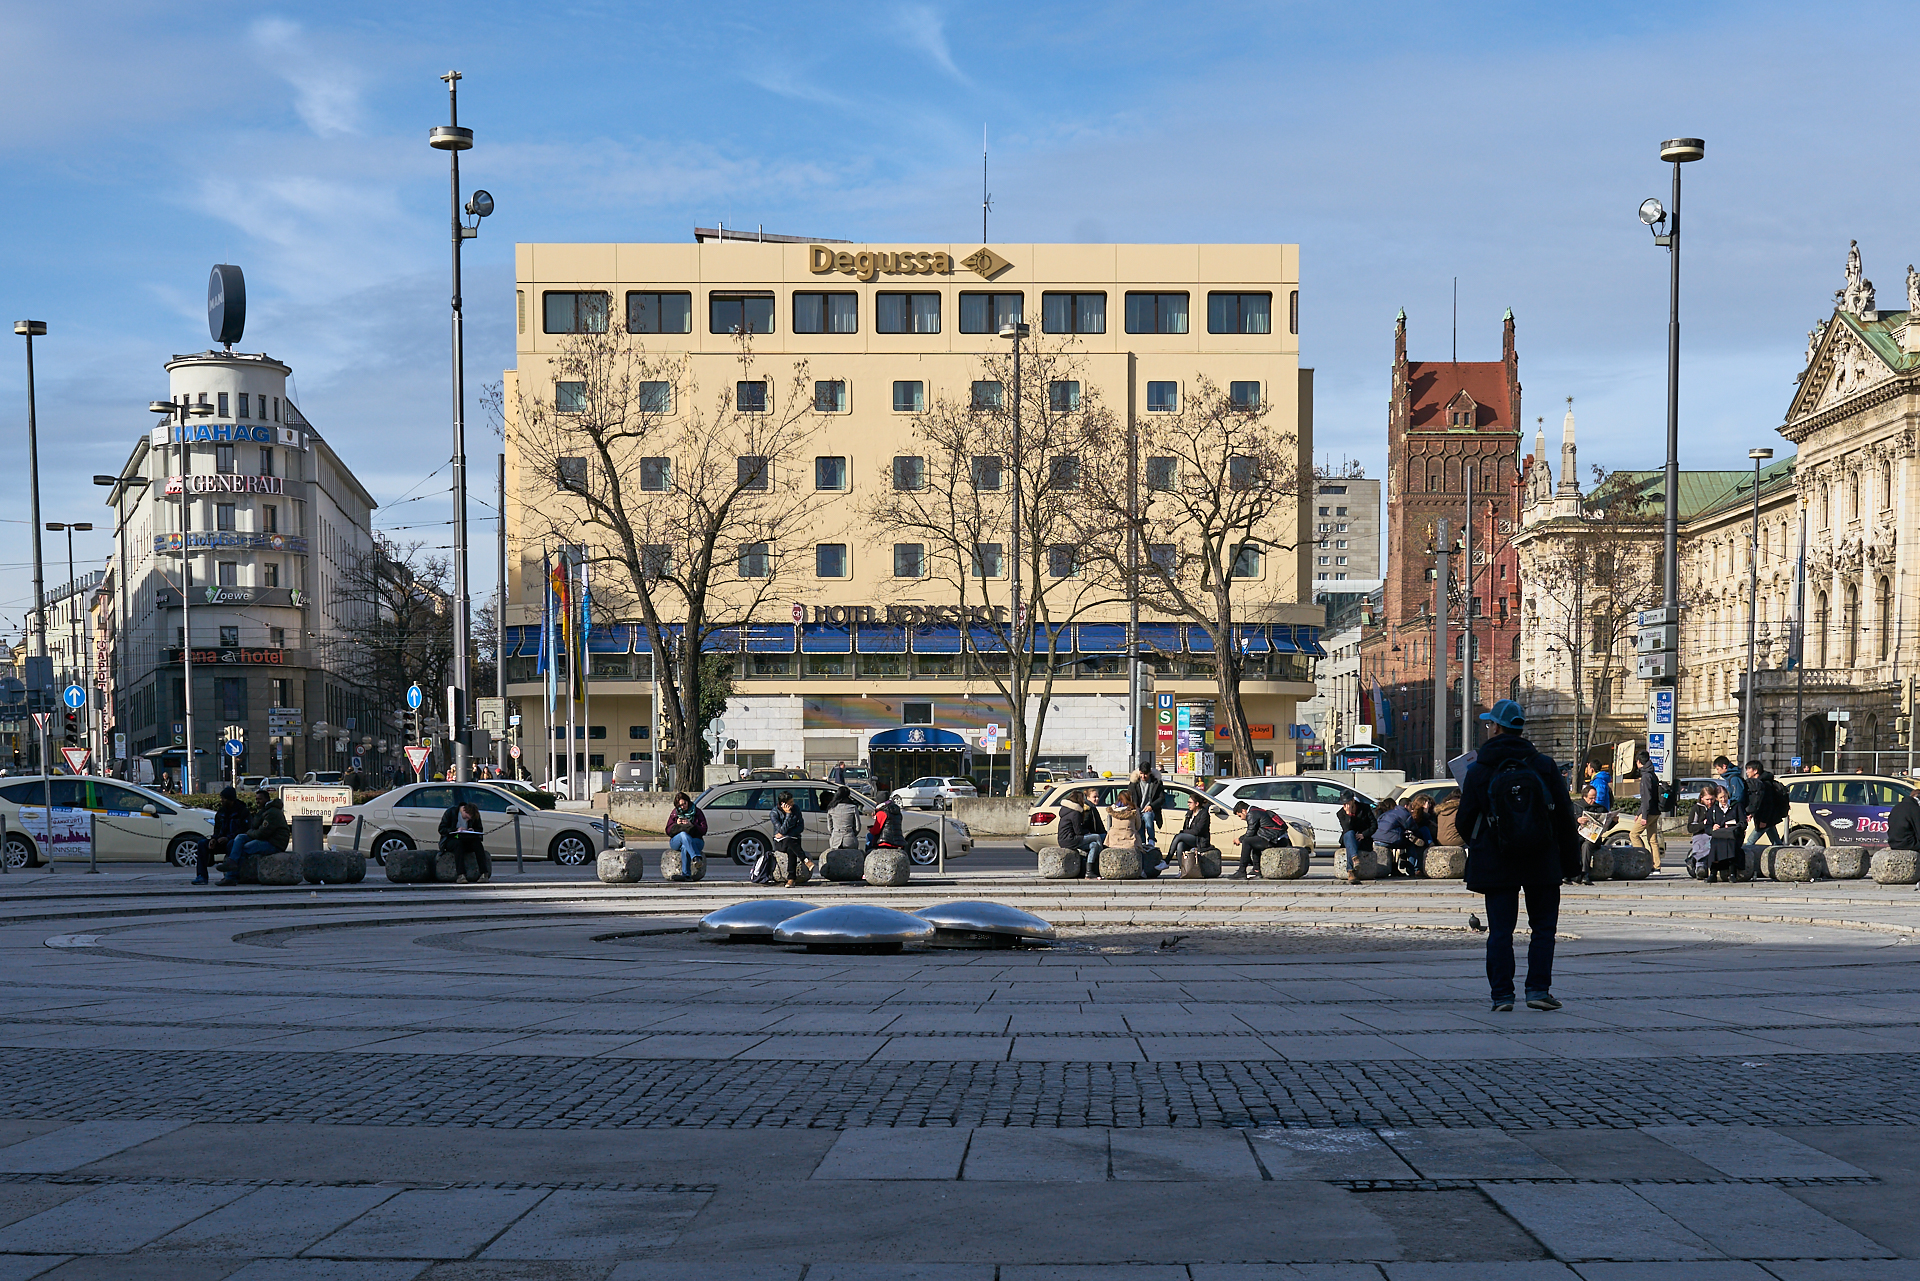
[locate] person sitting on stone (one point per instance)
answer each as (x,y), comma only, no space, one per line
(843,821)
(1265,830)
(1081,829)
(269,834)
(788,827)
(460,836)
(230,822)
(885,831)
(1406,831)
(1358,827)
(1194,834)
(686,832)
(1123,825)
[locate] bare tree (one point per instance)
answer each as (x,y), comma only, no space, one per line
(404,599)
(954,496)
(1192,512)
(1596,576)
(688,498)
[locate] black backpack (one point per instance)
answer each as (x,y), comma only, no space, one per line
(1520,811)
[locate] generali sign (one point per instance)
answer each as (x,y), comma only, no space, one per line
(226,483)
(868,263)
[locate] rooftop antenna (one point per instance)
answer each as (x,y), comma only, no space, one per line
(1456,320)
(986,200)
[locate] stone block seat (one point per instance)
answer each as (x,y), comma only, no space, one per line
(1120,864)
(333,867)
(1285,862)
(1447,863)
(1631,863)
(411,867)
(621,867)
(887,867)
(282,868)
(1058,864)
(1896,867)
(669,865)
(1850,862)
(843,865)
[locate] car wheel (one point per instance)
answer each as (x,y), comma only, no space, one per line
(390,843)
(570,849)
(1620,841)
(185,851)
(20,851)
(1806,836)
(924,849)
(747,847)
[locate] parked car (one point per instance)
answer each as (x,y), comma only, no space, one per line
(1313,800)
(1439,789)
(740,816)
(129,822)
(1043,820)
(934,792)
(859,779)
(1841,809)
(409,818)
(323,777)
(773,774)
(526,791)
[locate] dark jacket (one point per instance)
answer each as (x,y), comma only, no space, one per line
(886,824)
(787,827)
(230,820)
(1150,794)
(1649,792)
(1077,822)
(1903,825)
(1728,830)
(1266,829)
(1200,822)
(1489,870)
(690,820)
(1364,824)
(1766,799)
(270,825)
(1397,828)
(1700,822)
(450,822)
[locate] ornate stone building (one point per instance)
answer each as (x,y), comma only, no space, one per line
(1444,417)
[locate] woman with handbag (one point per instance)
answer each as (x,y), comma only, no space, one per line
(686,832)
(788,825)
(1729,826)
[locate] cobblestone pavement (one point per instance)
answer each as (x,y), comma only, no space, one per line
(550,1078)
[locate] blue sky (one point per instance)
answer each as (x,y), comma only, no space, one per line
(1400,146)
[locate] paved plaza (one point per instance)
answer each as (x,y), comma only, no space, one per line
(544,1077)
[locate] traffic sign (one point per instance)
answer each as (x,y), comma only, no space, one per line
(414,698)
(515,751)
(74,697)
(417,756)
(799,612)
(233,747)
(76,759)
(12,690)
(40,719)
(717,725)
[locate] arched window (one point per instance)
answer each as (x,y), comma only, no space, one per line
(1886,486)
(1850,625)
(1883,617)
(1516,647)
(1826,507)
(1453,475)
(1513,689)
(1820,617)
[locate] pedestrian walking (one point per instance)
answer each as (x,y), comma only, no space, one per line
(1081,829)
(1646,829)
(1766,802)
(788,826)
(686,832)
(1358,827)
(1265,830)
(838,774)
(1518,818)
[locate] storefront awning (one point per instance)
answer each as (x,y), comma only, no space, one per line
(881,638)
(826,638)
(936,640)
(917,738)
(1198,642)
(1308,639)
(1251,640)
(1102,638)
(1283,639)
(614,638)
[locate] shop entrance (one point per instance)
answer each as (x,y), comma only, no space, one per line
(899,756)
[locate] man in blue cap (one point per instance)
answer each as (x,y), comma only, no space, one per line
(1521,839)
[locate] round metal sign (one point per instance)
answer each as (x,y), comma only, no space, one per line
(414,698)
(226,303)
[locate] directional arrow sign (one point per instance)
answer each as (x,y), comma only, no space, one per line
(74,697)
(76,759)
(414,698)
(233,747)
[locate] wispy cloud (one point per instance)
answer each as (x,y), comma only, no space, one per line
(921,27)
(326,90)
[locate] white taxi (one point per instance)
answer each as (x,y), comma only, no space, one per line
(130,823)
(409,818)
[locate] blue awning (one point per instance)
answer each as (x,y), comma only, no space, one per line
(1161,637)
(1251,640)
(936,640)
(1102,638)
(881,638)
(986,640)
(826,638)
(1283,639)
(1308,638)
(754,638)
(615,638)
(1198,642)
(1063,642)
(917,738)
(523,642)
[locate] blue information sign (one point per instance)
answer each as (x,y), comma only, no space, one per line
(74,697)
(414,698)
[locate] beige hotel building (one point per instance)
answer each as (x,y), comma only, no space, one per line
(886,331)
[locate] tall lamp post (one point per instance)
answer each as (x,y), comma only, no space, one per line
(184,410)
(119,485)
(1753,610)
(1676,151)
(1021,648)
(453,139)
(77,657)
(37,632)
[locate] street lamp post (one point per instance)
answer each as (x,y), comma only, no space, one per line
(184,410)
(37,639)
(1747,752)
(1021,648)
(77,656)
(119,485)
(453,139)
(1677,151)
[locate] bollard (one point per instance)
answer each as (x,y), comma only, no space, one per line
(359,821)
(519,854)
(306,834)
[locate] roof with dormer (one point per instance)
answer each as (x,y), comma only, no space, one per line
(1433,385)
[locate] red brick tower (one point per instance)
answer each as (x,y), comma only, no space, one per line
(1443,417)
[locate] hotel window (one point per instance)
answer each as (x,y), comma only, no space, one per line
(1164,557)
(750,397)
(906,313)
(916,713)
(1163,398)
(1242,471)
(656,475)
(1246,561)
(1063,561)
(266,460)
(277,637)
(826,313)
(909,473)
(1162,473)
(1293,312)
(909,397)
(988,473)
(651,313)
(576,313)
(751,472)
(1063,472)
(740,313)
(229,573)
(830,560)
(755,561)
(223,459)
(1239,313)
(243,407)
(223,516)
(1326,511)
(1156,313)
(269,518)
(229,636)
(909,560)
(988,562)
(830,473)
(830,396)
(656,396)
(569,398)
(270,576)
(231,691)
(988,395)
(223,406)
(1244,395)
(987,313)
(1073,313)
(1063,395)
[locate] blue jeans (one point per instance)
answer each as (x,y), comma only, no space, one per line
(1543,918)
(1093,845)
(1351,840)
(1147,825)
(691,847)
